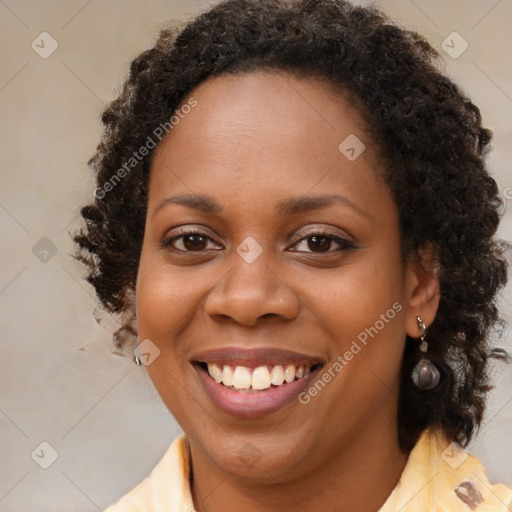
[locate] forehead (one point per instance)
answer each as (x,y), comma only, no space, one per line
(268,127)
(249,100)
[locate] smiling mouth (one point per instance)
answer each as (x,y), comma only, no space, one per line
(245,379)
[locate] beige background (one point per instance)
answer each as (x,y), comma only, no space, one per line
(59,382)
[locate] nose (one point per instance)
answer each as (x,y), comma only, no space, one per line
(251,291)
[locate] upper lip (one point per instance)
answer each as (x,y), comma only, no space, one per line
(254,357)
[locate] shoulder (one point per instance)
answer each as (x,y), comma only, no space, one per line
(441,476)
(137,500)
(461,478)
(167,487)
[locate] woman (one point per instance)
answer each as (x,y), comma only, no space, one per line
(294,216)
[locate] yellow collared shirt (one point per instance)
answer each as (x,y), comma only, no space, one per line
(438,477)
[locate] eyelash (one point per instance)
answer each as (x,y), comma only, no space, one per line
(343,243)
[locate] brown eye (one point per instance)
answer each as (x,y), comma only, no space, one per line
(192,241)
(322,243)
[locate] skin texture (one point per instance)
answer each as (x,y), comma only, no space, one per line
(252,141)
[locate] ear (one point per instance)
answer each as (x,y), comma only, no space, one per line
(422,289)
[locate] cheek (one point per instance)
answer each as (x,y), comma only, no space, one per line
(361,308)
(165,297)
(353,297)
(364,318)
(162,307)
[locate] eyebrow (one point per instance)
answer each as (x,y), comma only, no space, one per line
(290,206)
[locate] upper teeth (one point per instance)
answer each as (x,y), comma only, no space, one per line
(241,377)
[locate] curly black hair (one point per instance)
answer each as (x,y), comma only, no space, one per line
(429,135)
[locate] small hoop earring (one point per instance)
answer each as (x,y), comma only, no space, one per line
(425,374)
(136,358)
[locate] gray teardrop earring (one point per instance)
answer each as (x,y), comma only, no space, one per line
(425,374)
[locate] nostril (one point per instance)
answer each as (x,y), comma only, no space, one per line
(271,315)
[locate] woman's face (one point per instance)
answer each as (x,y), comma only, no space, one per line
(293,266)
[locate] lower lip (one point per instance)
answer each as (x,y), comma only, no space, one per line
(253,405)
